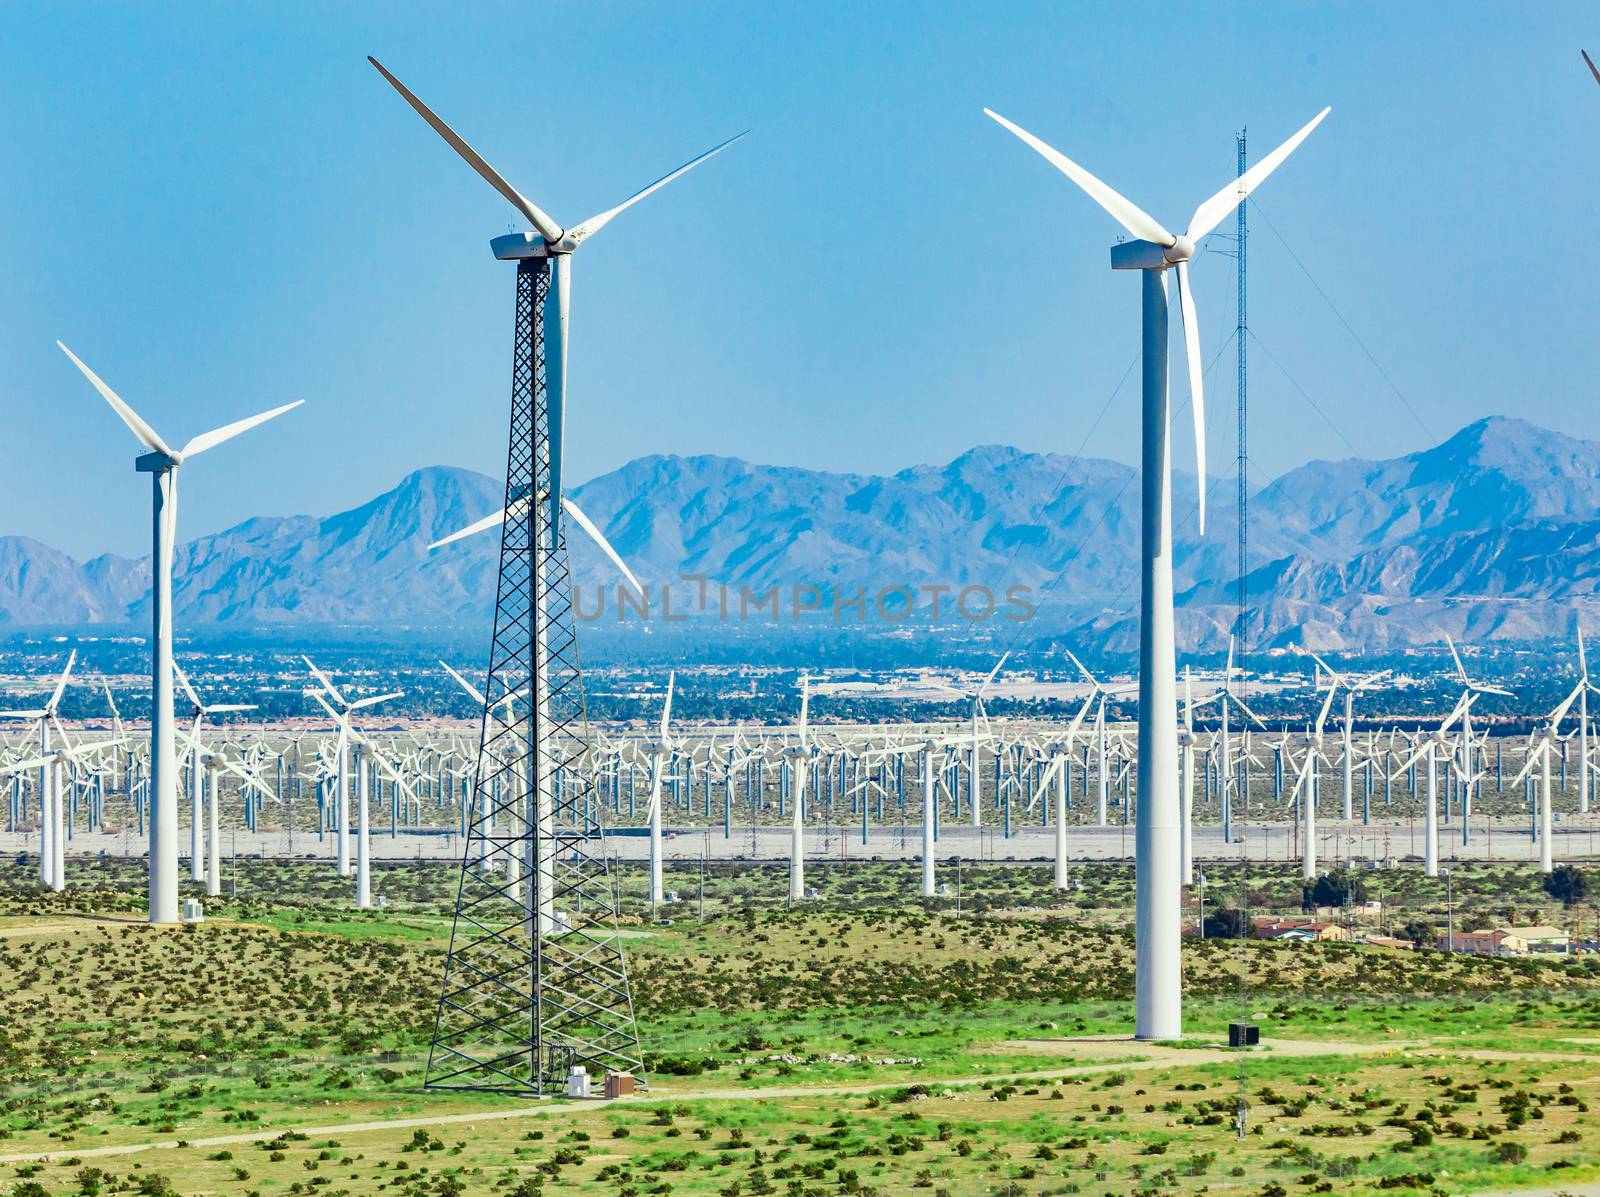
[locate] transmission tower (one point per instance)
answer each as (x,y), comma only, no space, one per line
(535,981)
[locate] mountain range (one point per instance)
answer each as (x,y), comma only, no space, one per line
(1492,535)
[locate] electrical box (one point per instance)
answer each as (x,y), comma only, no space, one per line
(619,1084)
(1243,1034)
(193,912)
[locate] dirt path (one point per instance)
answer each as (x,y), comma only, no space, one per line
(1150,1056)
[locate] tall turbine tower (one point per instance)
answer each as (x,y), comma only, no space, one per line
(161,463)
(1158,984)
(535,981)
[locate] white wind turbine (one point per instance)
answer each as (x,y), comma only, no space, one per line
(799,758)
(660,754)
(1100,695)
(1060,754)
(1583,688)
(49,762)
(1539,754)
(1158,971)
(51,834)
(1347,732)
(974,771)
(546,240)
(161,462)
(341,718)
(1465,745)
(1226,697)
(197,786)
(1427,752)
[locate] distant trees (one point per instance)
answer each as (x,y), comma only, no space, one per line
(1420,932)
(1226,922)
(1566,884)
(1341,887)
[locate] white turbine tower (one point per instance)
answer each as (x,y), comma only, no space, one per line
(161,462)
(1159,979)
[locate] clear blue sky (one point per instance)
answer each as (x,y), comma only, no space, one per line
(222,207)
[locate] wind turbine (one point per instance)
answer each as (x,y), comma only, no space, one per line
(1347,733)
(660,753)
(341,718)
(1464,746)
(546,240)
(1539,754)
(197,809)
(1100,695)
(800,762)
(1426,751)
(1226,696)
(974,772)
(51,849)
(161,462)
(1158,970)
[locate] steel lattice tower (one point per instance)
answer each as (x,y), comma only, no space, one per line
(1242,459)
(535,981)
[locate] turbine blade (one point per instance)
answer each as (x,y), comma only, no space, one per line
(599,221)
(1081,669)
(666,707)
(992,672)
(375,699)
(183,682)
(224,707)
(548,229)
(598,537)
(1126,213)
(148,436)
(1590,61)
(1212,213)
(61,685)
(1461,672)
(210,440)
(1197,399)
(476,694)
(1566,704)
(493,520)
(327,683)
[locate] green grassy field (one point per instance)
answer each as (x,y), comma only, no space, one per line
(855,1046)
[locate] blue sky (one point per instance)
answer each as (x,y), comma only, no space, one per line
(222,207)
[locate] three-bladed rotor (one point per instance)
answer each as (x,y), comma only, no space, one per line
(1158,249)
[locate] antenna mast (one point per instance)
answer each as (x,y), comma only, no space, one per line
(1242,479)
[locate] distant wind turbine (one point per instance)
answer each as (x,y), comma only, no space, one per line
(161,462)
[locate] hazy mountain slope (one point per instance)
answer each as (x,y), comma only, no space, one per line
(1494,532)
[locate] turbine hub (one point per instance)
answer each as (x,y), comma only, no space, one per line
(1181,250)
